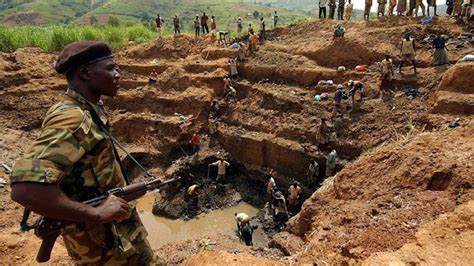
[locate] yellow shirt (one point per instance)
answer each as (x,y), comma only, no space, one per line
(407,47)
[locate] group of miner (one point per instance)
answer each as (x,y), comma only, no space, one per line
(75,158)
(203,25)
(343,9)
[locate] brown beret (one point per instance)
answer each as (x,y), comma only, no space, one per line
(80,53)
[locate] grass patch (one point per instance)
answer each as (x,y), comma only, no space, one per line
(54,38)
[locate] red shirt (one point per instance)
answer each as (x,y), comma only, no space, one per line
(195,138)
(213,24)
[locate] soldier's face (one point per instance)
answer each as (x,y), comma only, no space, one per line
(104,77)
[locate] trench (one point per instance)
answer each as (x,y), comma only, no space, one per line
(167,219)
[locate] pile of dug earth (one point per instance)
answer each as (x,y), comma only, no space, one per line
(403,191)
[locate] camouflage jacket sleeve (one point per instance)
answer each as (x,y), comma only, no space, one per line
(65,138)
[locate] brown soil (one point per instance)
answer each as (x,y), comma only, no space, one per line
(24,19)
(209,258)
(443,241)
(386,195)
(405,170)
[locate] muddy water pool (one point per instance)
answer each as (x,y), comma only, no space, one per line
(162,231)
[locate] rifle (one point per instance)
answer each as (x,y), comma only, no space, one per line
(49,229)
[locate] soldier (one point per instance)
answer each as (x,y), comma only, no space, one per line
(74,160)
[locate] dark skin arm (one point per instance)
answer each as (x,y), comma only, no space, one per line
(50,201)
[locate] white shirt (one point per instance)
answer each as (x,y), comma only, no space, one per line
(241,217)
(271,185)
(331,160)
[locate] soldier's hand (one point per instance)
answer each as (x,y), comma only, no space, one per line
(112,209)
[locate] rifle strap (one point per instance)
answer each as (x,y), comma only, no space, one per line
(103,128)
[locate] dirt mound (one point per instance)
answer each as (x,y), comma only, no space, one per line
(164,48)
(169,47)
(378,202)
(455,94)
(445,241)
(225,258)
(459,78)
(264,57)
(213,53)
(342,52)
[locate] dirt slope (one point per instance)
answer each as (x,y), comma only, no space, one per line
(378,202)
(447,240)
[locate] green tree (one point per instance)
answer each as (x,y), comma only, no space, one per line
(113,21)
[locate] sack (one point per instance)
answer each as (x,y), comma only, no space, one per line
(469,57)
(317,97)
(360,67)
(426,20)
(341,69)
(324,96)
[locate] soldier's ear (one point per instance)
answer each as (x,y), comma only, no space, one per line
(84,73)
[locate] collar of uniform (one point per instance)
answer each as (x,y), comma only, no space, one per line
(97,108)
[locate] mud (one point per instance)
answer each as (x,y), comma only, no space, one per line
(164,231)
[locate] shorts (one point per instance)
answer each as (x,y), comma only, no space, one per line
(408,57)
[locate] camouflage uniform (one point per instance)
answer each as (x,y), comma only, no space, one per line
(75,154)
